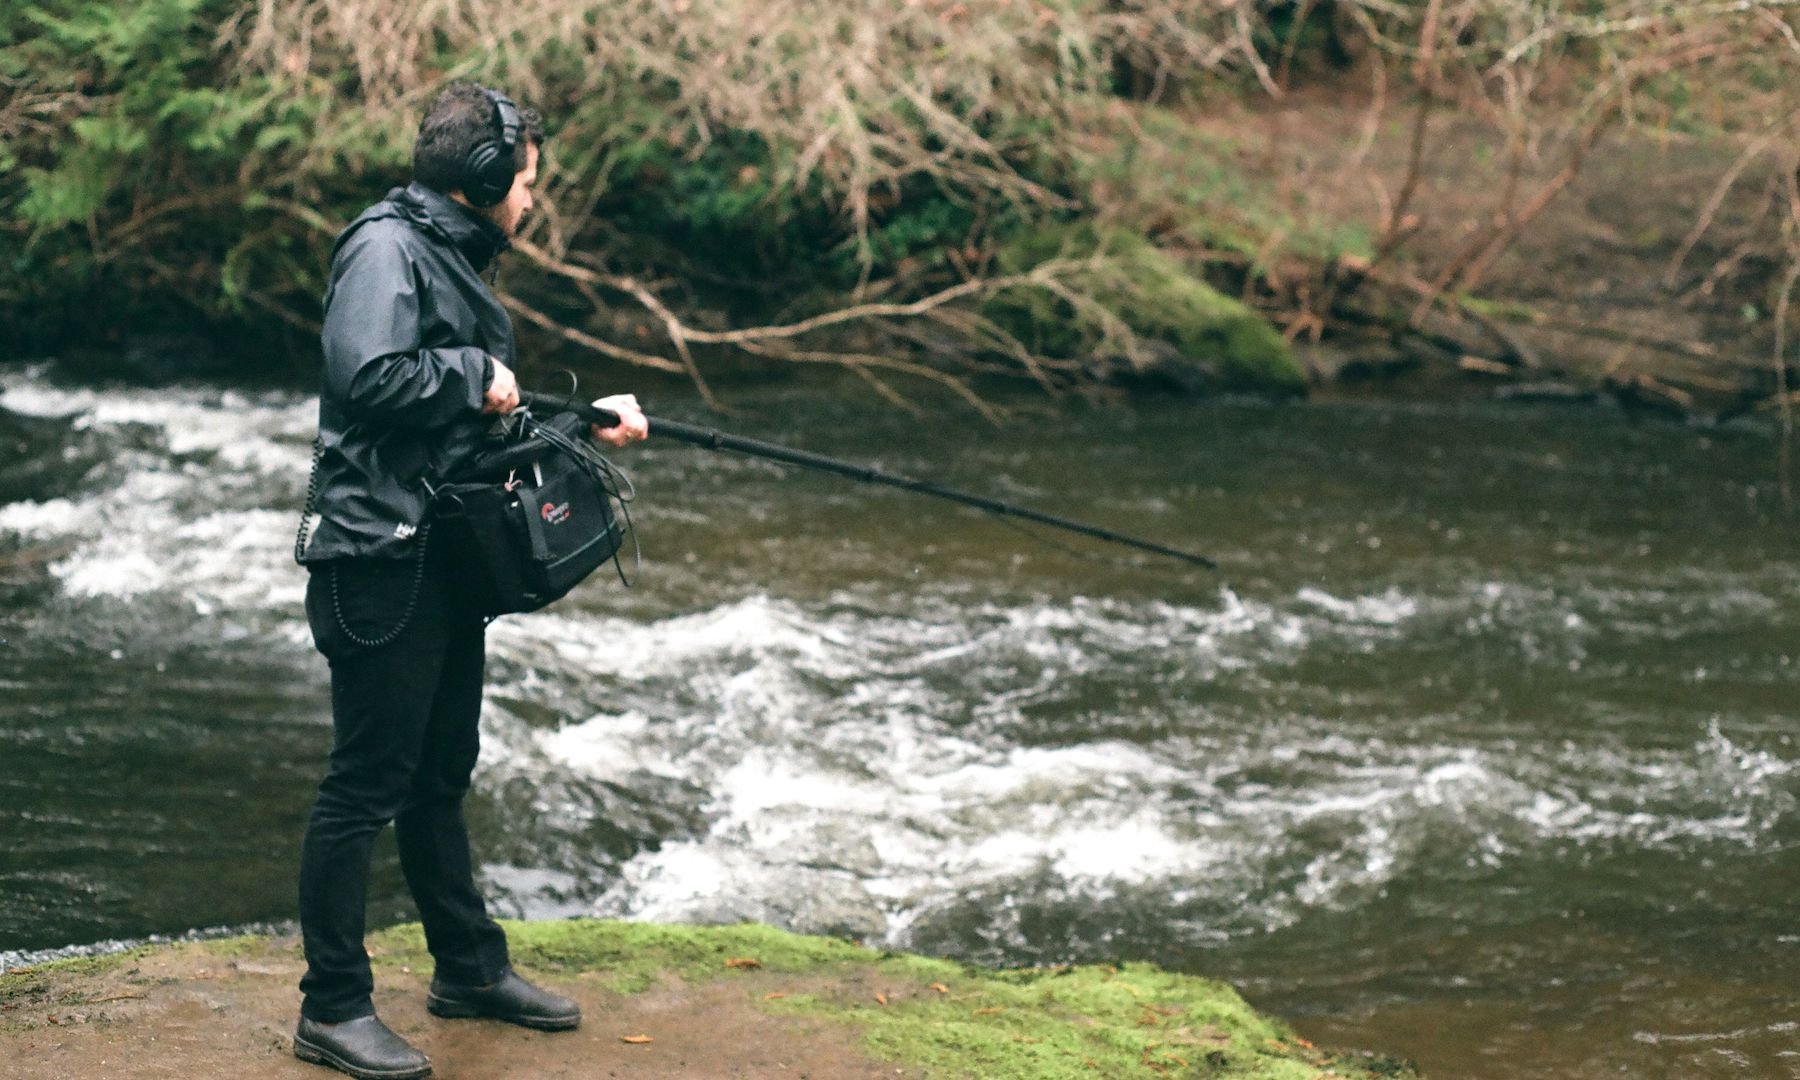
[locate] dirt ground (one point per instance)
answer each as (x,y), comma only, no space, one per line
(182,1012)
(1600,290)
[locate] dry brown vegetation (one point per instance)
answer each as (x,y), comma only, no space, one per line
(861,108)
(916,190)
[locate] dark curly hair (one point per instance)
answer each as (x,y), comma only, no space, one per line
(457,121)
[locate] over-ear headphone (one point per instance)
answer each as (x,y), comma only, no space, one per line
(488,170)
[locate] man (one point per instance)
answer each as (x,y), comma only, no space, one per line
(418,359)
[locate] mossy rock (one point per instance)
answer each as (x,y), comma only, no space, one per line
(1190,334)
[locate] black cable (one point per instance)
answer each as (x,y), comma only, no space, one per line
(412,601)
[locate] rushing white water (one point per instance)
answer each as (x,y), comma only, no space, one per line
(1016,768)
(841,770)
(183,503)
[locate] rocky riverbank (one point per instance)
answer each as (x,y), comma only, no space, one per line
(662,1001)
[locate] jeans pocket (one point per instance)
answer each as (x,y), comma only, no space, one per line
(351,603)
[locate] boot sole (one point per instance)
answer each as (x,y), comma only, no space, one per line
(446,1009)
(318,1055)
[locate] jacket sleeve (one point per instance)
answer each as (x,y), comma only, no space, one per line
(375,363)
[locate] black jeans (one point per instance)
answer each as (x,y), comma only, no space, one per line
(404,742)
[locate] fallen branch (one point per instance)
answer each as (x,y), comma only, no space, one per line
(1517,352)
(861,362)
(1697,350)
(774,341)
(588,341)
(1637,388)
(1041,275)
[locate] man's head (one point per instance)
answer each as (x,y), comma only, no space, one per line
(463,125)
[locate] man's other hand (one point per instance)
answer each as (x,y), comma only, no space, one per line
(632,427)
(502,394)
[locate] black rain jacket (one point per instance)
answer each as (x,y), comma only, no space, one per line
(411,333)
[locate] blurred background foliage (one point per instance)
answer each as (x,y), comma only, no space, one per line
(919,189)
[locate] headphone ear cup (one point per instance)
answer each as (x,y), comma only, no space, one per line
(488,170)
(482,184)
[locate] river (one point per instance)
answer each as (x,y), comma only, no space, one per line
(1480,750)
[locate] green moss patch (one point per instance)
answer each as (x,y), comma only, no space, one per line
(944,1018)
(928,1017)
(1197,336)
(630,957)
(26,981)
(1134,1021)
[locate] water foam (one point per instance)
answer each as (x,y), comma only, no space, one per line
(862,762)
(855,763)
(189,516)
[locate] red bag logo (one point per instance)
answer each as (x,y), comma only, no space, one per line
(555,513)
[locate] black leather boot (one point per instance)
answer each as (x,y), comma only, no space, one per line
(365,1048)
(511,999)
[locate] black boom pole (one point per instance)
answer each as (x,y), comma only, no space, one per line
(718,440)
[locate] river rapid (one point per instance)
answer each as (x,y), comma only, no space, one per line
(1481,749)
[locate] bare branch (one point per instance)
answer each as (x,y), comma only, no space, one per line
(1785,296)
(1043,275)
(1717,199)
(864,361)
(588,341)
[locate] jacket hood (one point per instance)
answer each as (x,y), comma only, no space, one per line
(479,239)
